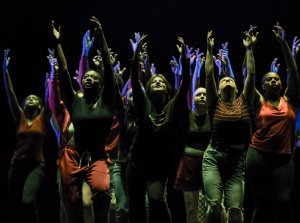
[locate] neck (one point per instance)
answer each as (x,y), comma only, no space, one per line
(91,95)
(272,97)
(31,113)
(159,100)
(200,110)
(228,97)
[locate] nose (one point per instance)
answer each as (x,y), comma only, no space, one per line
(88,77)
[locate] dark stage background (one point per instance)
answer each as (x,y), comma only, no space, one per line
(25,29)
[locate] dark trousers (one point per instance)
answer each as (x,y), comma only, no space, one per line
(269,176)
(296,186)
(139,184)
(24,185)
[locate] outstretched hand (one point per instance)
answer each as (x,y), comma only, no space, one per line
(225,50)
(139,46)
(190,54)
(247,41)
(6,59)
(199,56)
(56,32)
(53,62)
(113,57)
(97,25)
(275,66)
(180,47)
(118,70)
(137,37)
(295,46)
(153,69)
(174,65)
(253,34)
(185,52)
(87,42)
(143,55)
(219,60)
(279,33)
(51,52)
(210,40)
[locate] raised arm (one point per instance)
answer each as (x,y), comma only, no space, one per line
(292,89)
(65,78)
(196,75)
(220,63)
(87,43)
(13,103)
(249,87)
(225,55)
(145,72)
(55,101)
(137,92)
(176,69)
(211,88)
(109,86)
(186,72)
(46,111)
(145,67)
(254,36)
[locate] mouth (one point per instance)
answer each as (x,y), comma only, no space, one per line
(88,84)
(274,86)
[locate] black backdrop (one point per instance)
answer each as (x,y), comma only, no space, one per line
(25,29)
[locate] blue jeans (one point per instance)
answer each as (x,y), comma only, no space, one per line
(223,173)
(118,177)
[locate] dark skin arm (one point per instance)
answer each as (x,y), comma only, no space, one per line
(67,91)
(108,94)
(292,89)
(138,94)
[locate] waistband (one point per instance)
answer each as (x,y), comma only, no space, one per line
(239,148)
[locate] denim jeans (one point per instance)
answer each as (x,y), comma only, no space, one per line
(223,173)
(118,177)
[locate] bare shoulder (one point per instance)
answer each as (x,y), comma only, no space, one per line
(79,94)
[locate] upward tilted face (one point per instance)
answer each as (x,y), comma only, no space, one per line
(91,79)
(227,83)
(32,101)
(158,84)
(272,83)
(200,96)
